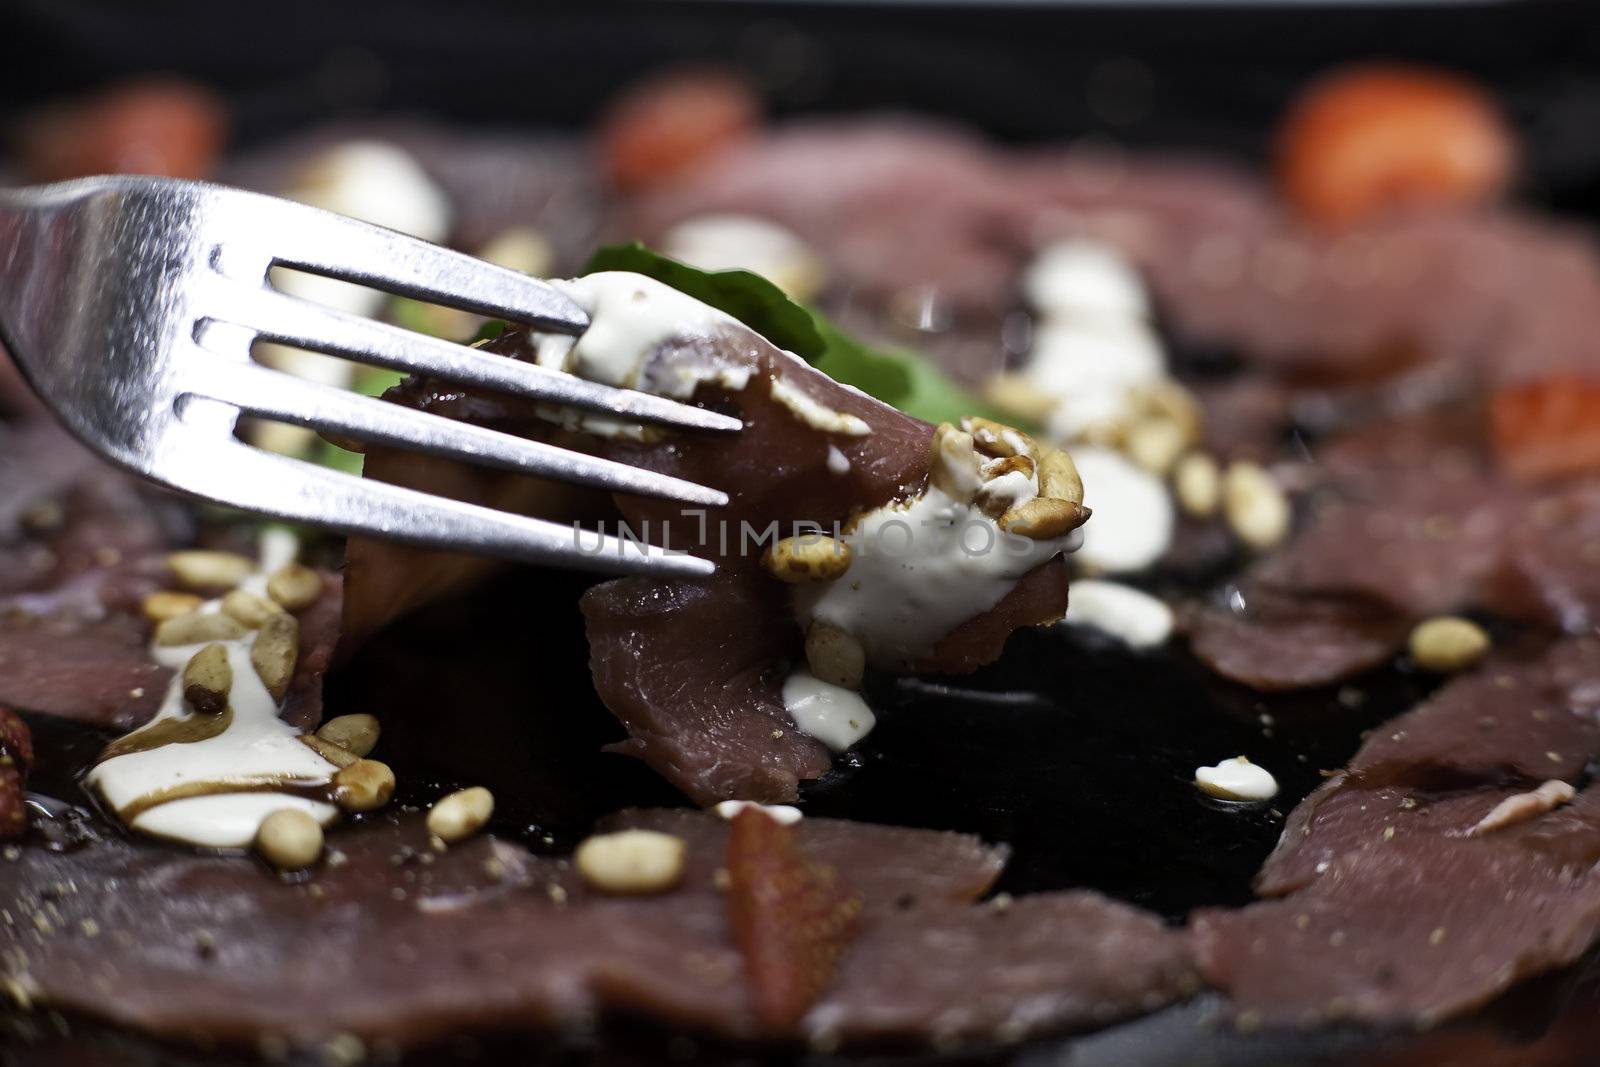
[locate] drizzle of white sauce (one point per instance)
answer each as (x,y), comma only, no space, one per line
(835,716)
(784,814)
(1237,779)
(815,414)
(1081,278)
(1132,514)
(257,748)
(742,242)
(1132,615)
(838,462)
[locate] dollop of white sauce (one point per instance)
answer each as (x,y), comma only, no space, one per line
(918,570)
(1132,615)
(1082,278)
(835,716)
(1093,347)
(1237,779)
(1132,516)
(743,242)
(257,749)
(784,814)
(838,462)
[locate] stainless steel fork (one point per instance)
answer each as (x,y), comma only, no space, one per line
(130,305)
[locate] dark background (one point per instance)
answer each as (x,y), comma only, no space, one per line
(1187,75)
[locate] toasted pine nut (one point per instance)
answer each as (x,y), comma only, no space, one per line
(632,861)
(1256,508)
(329,751)
(248,608)
(1044,518)
(1447,643)
(997,439)
(808,558)
(274,653)
(201,569)
(365,785)
(1197,483)
(461,814)
(196,628)
(1154,444)
(289,839)
(834,655)
(1019,394)
(208,680)
(954,468)
(295,586)
(353,733)
(1058,476)
(166,604)
(999,468)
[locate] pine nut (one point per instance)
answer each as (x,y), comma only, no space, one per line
(353,733)
(248,608)
(274,653)
(835,656)
(329,751)
(808,558)
(1058,476)
(461,814)
(195,629)
(1154,444)
(365,785)
(289,839)
(203,569)
(954,468)
(1044,518)
(1197,483)
(208,680)
(997,439)
(1447,643)
(1019,394)
(295,586)
(632,862)
(167,604)
(1256,508)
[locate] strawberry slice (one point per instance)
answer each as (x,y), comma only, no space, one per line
(791,917)
(1547,429)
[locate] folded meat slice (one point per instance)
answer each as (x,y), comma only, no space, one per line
(1419,926)
(1415,904)
(932,545)
(396,943)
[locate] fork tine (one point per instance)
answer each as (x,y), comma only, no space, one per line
(238,475)
(292,321)
(275,395)
(308,238)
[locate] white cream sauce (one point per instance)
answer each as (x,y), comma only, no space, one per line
(257,748)
(743,242)
(835,716)
(1132,516)
(1237,779)
(838,462)
(784,814)
(1132,615)
(814,413)
(918,570)
(1082,279)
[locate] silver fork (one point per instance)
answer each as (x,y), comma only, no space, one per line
(131,303)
